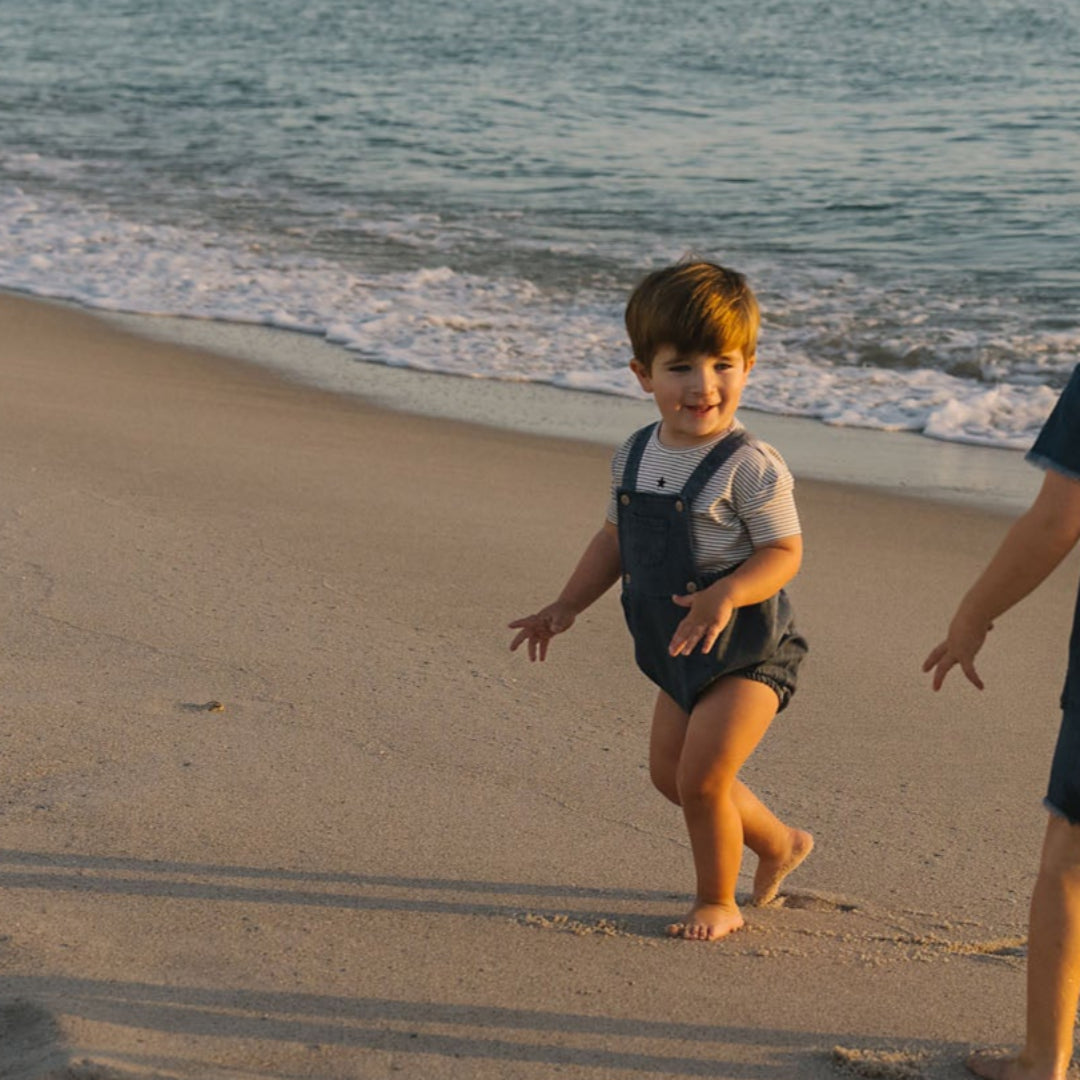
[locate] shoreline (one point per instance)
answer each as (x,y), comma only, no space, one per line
(903,463)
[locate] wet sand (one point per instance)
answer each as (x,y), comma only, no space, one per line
(398,849)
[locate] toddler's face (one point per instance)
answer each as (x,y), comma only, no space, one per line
(697,394)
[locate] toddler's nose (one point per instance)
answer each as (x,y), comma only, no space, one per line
(706,380)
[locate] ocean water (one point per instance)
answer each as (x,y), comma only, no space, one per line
(472,188)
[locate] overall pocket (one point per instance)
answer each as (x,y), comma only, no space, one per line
(646,540)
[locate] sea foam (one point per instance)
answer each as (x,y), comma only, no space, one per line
(440,319)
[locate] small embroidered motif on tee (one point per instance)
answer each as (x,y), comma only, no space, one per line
(660,482)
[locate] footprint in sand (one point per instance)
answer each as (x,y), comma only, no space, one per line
(637,930)
(805,900)
(29,1040)
(881,1064)
(32,1045)
(878,936)
(907,1064)
(1004,948)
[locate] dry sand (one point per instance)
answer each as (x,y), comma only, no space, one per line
(400,850)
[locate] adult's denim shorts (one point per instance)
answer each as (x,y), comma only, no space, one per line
(1063,792)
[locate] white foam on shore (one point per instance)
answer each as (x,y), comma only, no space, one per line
(899,462)
(439,319)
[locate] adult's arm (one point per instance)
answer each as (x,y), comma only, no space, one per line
(1032,548)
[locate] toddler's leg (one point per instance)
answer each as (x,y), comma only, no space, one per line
(721,733)
(665,746)
(779,847)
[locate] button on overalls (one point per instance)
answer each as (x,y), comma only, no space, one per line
(657,553)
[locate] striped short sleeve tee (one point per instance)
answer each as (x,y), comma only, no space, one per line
(747,503)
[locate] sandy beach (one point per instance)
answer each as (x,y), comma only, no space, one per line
(280,803)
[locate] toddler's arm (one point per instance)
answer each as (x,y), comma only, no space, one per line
(1032,548)
(763,575)
(597,570)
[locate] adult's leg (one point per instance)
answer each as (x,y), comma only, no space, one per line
(1053,973)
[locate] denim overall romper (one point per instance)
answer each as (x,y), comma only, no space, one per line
(656,549)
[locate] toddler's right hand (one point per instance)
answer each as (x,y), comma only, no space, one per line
(540,628)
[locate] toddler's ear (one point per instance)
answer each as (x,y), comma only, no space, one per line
(642,373)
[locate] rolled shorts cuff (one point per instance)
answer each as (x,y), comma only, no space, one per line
(1059,813)
(782,690)
(1063,788)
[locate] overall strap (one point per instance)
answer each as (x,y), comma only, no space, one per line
(633,458)
(711,462)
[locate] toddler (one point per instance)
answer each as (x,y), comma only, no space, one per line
(703,533)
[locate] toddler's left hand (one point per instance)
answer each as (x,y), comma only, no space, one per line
(710,611)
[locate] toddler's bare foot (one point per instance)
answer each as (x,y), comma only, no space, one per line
(771,872)
(999,1065)
(708,922)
